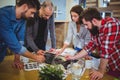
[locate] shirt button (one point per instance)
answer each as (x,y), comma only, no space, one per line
(114,61)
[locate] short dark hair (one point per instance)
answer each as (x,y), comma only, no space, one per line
(108,14)
(90,13)
(77,9)
(30,3)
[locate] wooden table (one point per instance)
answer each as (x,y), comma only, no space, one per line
(8,73)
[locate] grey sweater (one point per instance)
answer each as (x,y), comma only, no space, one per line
(32,31)
(78,39)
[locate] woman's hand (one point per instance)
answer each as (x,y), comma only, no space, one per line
(58,52)
(55,51)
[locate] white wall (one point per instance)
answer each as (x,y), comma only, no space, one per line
(7,2)
(70,4)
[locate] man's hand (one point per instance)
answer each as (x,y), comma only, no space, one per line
(17,63)
(98,74)
(87,57)
(40,52)
(40,58)
(95,75)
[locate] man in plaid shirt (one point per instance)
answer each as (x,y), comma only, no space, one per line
(105,38)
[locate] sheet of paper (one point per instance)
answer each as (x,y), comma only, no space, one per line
(31,66)
(68,51)
(94,63)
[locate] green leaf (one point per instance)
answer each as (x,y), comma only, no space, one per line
(51,72)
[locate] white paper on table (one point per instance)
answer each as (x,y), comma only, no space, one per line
(31,66)
(83,71)
(88,64)
(68,51)
(94,63)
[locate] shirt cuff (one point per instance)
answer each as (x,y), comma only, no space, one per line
(87,50)
(104,56)
(21,42)
(23,50)
(66,43)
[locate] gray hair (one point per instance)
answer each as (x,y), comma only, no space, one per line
(48,3)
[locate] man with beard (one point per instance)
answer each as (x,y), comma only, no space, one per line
(37,29)
(106,39)
(12,27)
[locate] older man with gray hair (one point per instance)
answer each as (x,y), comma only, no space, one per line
(37,30)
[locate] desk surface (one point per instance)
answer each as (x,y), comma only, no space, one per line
(8,73)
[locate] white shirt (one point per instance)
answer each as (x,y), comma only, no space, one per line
(78,39)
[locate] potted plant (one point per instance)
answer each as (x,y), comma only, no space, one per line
(51,72)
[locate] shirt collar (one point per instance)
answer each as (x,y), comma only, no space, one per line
(103,22)
(13,16)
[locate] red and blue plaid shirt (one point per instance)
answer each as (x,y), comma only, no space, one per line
(107,42)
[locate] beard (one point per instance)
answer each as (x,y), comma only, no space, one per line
(94,31)
(23,15)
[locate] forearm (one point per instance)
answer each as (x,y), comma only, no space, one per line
(29,55)
(103,65)
(64,46)
(53,39)
(29,38)
(81,54)
(31,44)
(17,63)
(17,56)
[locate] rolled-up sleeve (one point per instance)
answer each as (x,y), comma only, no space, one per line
(8,35)
(90,47)
(23,50)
